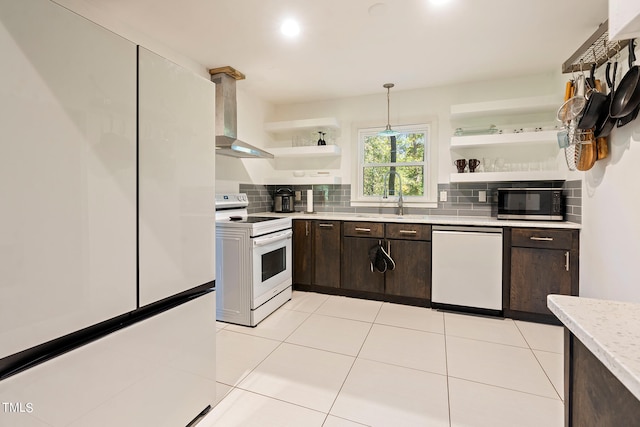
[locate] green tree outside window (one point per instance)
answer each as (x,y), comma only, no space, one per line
(404,154)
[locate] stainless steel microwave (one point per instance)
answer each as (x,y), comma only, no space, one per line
(543,204)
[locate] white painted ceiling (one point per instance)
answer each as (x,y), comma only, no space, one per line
(349,48)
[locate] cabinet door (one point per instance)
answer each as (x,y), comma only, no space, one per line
(412,275)
(302,252)
(326,253)
(357,267)
(536,273)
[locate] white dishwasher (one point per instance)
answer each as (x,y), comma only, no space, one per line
(467,267)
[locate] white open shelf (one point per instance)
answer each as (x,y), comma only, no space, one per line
(509,176)
(304,180)
(549,136)
(306,151)
(538,104)
(521,147)
(289,126)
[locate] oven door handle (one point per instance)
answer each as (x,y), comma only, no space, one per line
(273,238)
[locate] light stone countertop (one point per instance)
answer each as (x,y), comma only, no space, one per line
(609,329)
(424,219)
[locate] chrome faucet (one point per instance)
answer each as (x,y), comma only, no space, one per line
(386,190)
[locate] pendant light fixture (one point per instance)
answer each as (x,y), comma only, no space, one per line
(388,131)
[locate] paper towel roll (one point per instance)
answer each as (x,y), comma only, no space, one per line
(309,200)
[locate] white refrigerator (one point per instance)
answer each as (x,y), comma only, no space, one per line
(107,263)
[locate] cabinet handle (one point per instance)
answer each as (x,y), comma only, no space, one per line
(306,228)
(326,225)
(544,239)
(408,232)
(566,260)
(364,230)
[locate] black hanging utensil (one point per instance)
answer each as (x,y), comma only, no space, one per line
(603,129)
(627,96)
(629,117)
(377,260)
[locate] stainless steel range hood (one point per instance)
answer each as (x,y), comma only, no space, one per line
(227,142)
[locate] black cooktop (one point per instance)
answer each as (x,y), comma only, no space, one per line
(252,219)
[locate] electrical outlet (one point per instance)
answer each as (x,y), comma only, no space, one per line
(482,196)
(298,196)
(443,196)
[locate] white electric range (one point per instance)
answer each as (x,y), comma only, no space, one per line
(253,262)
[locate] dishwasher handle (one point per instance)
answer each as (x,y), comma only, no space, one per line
(465,229)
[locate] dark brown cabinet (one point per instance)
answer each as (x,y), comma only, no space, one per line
(333,257)
(326,253)
(316,253)
(593,395)
(302,250)
(410,247)
(359,238)
(541,262)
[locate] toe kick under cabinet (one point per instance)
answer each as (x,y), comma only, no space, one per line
(538,262)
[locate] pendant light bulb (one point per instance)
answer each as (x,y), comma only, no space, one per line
(388,131)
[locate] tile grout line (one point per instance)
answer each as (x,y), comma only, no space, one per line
(506,388)
(355,359)
(540,363)
(547,375)
(281,342)
(358,357)
(277,399)
(494,342)
(262,361)
(446,366)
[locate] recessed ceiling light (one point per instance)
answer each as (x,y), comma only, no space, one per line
(290,28)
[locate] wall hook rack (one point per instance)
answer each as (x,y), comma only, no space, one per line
(597,46)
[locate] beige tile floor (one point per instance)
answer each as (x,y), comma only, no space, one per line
(339,362)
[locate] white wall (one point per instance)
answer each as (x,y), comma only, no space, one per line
(252,112)
(102,16)
(405,105)
(610,237)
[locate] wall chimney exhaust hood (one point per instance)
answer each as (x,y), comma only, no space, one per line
(227,142)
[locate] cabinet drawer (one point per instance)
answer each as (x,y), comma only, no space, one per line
(541,238)
(408,231)
(327,225)
(364,229)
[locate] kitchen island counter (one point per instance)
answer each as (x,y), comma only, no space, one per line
(609,329)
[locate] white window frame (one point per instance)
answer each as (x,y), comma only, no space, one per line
(429,199)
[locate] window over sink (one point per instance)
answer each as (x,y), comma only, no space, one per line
(384,162)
